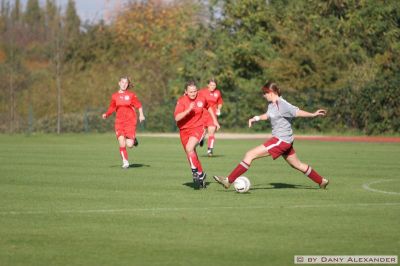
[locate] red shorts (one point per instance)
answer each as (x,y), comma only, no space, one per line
(126,131)
(277,147)
(207,119)
(186,133)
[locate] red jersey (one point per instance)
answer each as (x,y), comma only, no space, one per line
(194,118)
(124,104)
(213,98)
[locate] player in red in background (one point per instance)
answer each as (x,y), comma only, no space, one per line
(188,116)
(124,103)
(280,113)
(214,99)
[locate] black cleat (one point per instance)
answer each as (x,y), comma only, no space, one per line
(202,179)
(135,142)
(196,181)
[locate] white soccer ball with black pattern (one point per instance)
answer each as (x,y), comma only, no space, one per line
(242,184)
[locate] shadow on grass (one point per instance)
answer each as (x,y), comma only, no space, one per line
(214,156)
(281,186)
(132,165)
(191,185)
(260,186)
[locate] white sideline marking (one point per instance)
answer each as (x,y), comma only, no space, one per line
(395,204)
(366,186)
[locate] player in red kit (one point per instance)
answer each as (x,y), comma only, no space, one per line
(214,99)
(124,103)
(189,118)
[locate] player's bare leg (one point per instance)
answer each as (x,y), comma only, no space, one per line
(129,143)
(122,150)
(197,170)
(255,153)
(211,140)
(295,162)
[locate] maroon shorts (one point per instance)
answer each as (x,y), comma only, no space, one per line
(277,147)
(185,134)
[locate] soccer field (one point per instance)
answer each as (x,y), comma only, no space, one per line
(64,200)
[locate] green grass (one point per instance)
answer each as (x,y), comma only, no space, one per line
(64,200)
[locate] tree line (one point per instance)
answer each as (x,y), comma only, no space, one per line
(57,73)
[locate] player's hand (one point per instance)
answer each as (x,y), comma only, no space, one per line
(217,126)
(251,121)
(141,118)
(320,112)
(191,106)
(218,112)
(104,116)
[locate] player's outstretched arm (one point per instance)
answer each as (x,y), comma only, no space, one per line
(319,112)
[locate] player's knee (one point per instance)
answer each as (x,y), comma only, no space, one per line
(303,167)
(249,156)
(189,149)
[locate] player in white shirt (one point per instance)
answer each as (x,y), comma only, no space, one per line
(280,113)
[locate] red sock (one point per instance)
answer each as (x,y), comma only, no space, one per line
(194,161)
(313,175)
(124,153)
(211,140)
(240,169)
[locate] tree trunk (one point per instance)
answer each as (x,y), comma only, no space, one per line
(12,102)
(58,81)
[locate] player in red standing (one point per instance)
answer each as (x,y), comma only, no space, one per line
(214,99)
(124,103)
(188,116)
(280,113)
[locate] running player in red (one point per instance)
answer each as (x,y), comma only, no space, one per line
(280,113)
(214,99)
(124,103)
(188,116)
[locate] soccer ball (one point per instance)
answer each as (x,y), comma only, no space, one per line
(241,184)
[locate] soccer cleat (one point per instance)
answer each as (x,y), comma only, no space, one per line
(125,164)
(223,181)
(135,142)
(202,180)
(324,183)
(196,181)
(210,152)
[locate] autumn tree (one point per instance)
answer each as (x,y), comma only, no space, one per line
(72,21)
